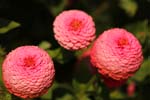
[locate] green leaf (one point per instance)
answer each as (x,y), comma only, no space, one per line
(7,96)
(130,6)
(78,86)
(9,27)
(2,53)
(144,71)
(56,53)
(45,45)
(48,95)
(80,90)
(57,9)
(116,94)
(83,97)
(4,95)
(139,29)
(66,97)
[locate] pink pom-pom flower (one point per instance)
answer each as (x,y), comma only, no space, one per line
(28,72)
(74,29)
(117,54)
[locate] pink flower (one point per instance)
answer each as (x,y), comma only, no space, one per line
(117,54)
(131,88)
(28,72)
(74,29)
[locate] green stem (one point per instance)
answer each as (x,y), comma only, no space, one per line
(91,81)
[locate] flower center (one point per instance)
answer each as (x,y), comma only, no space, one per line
(75,24)
(122,42)
(29,61)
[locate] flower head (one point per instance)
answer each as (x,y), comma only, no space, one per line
(74,29)
(28,72)
(117,54)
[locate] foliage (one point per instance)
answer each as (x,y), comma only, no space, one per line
(30,23)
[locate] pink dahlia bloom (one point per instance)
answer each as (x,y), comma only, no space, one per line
(117,54)
(74,29)
(28,72)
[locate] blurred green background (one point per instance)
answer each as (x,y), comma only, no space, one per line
(29,22)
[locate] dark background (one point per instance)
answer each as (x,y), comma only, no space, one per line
(35,19)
